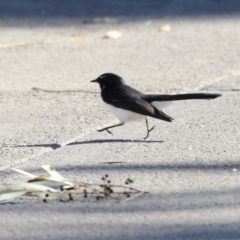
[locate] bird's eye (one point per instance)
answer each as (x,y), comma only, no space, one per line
(102,86)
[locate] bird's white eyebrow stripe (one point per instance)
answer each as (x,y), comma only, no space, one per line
(103,76)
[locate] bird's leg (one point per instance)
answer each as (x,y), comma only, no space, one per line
(148,130)
(106,128)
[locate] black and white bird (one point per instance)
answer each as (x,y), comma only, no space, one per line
(128,104)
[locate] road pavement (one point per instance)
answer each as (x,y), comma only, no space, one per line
(189,167)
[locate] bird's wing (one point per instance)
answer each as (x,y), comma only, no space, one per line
(140,106)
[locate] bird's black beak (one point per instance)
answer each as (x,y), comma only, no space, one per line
(95,80)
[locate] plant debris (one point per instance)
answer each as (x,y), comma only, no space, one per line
(56,187)
(60,91)
(113,34)
(77,37)
(99,20)
(165,28)
(73,38)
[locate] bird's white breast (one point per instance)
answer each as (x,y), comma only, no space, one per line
(124,115)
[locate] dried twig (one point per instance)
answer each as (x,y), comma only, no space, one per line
(59,91)
(56,187)
(73,38)
(132,197)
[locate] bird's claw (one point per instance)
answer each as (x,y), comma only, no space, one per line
(109,131)
(104,129)
(151,129)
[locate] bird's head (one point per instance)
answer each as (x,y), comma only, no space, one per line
(109,80)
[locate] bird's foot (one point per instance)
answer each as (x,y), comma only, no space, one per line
(151,129)
(109,131)
(105,129)
(149,132)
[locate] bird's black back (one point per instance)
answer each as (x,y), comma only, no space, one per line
(120,93)
(130,99)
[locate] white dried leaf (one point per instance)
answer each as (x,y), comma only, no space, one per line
(113,34)
(51,182)
(45,178)
(10,195)
(17,190)
(165,28)
(24,173)
(31,187)
(52,171)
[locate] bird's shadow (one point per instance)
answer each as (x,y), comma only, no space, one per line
(113,141)
(55,146)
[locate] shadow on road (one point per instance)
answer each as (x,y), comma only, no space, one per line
(133,166)
(113,141)
(160,215)
(55,146)
(25,12)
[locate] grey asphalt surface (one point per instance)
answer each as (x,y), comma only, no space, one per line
(190,167)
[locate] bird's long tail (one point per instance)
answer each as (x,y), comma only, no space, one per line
(178,97)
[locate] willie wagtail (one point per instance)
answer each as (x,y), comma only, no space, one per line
(128,104)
